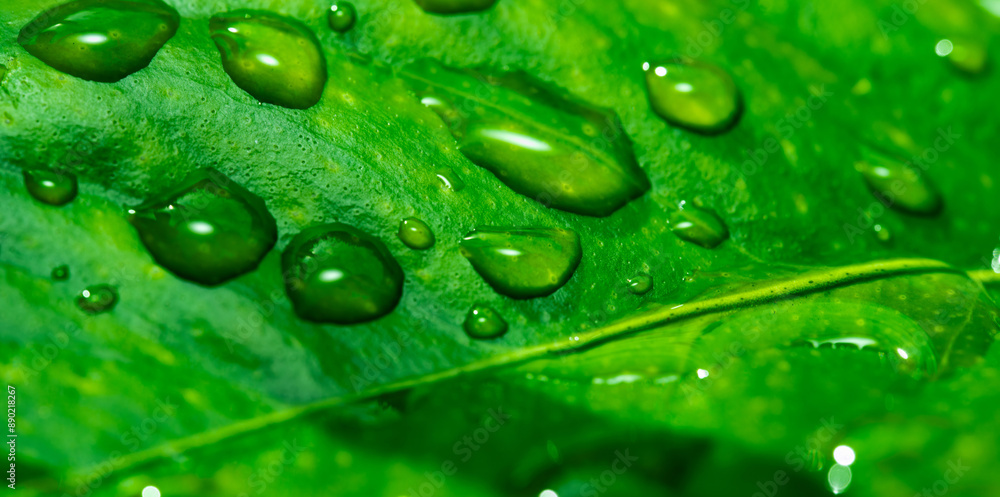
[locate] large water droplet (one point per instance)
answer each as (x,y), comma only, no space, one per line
(699,226)
(483,322)
(454,6)
(275,59)
(341,16)
(898,185)
(693,94)
(207,230)
(60,273)
(415,234)
(640,284)
(96,299)
(100,40)
(50,187)
(335,273)
(523,263)
(534,138)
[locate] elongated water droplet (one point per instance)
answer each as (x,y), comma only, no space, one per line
(640,284)
(454,6)
(415,234)
(482,322)
(692,94)
(534,138)
(449,181)
(699,226)
(275,59)
(96,299)
(207,230)
(341,16)
(100,40)
(60,273)
(336,273)
(968,56)
(898,185)
(523,263)
(50,187)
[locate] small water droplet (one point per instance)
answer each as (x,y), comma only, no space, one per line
(523,263)
(483,322)
(275,59)
(96,299)
(341,16)
(693,94)
(100,40)
(882,233)
(207,230)
(454,6)
(640,284)
(60,273)
(898,185)
(50,187)
(335,273)
(415,234)
(968,56)
(699,226)
(449,180)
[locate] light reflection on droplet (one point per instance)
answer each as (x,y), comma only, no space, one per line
(844,455)
(150,491)
(839,478)
(661,71)
(702,373)
(548,493)
(943,47)
(902,353)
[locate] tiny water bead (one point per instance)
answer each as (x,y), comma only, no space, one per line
(415,234)
(534,137)
(640,284)
(96,299)
(454,6)
(449,180)
(60,273)
(699,226)
(51,187)
(275,59)
(100,40)
(341,16)
(335,273)
(483,322)
(898,185)
(969,57)
(692,94)
(523,263)
(207,230)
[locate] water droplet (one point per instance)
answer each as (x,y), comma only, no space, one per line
(50,187)
(100,40)
(699,226)
(454,6)
(415,234)
(60,273)
(96,299)
(535,138)
(342,16)
(483,322)
(207,230)
(692,94)
(882,233)
(275,59)
(335,273)
(899,185)
(969,57)
(640,284)
(449,180)
(523,263)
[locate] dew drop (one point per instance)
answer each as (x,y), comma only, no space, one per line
(335,273)
(699,226)
(899,186)
(100,40)
(207,230)
(50,187)
(96,299)
(695,95)
(454,6)
(448,180)
(523,263)
(275,59)
(640,284)
(341,16)
(483,322)
(882,233)
(60,273)
(415,234)
(535,138)
(968,56)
